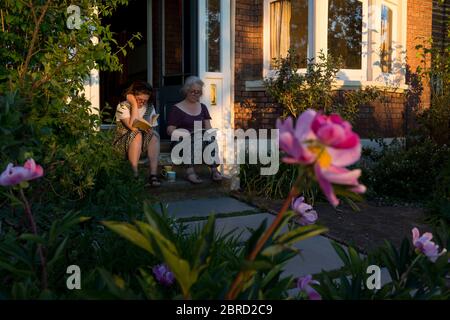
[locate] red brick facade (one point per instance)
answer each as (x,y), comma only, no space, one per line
(253,109)
(420,17)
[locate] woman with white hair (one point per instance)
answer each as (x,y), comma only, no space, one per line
(183,115)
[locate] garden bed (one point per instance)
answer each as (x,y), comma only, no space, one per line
(366,229)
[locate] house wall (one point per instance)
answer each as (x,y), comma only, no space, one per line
(254,109)
(441,15)
(420,17)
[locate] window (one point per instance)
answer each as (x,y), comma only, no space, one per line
(367,34)
(345,19)
(213,36)
(386,39)
(289,28)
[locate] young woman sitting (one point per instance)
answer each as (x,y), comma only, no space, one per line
(131,141)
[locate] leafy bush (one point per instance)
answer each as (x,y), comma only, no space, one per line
(44,112)
(435,70)
(412,276)
(275,186)
(204,267)
(404,173)
(314,89)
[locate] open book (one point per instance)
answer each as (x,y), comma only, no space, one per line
(144,124)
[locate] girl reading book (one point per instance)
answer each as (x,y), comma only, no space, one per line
(132,138)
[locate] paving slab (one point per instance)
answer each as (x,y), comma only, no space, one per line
(317,254)
(206,206)
(237,225)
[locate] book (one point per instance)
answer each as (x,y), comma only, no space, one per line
(144,124)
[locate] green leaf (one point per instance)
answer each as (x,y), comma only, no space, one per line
(341,253)
(251,242)
(58,252)
(9,267)
(256,265)
(300,233)
(32,237)
(204,243)
(130,233)
(159,220)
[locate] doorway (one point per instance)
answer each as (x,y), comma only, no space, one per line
(165,56)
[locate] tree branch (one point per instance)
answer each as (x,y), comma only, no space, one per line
(33,39)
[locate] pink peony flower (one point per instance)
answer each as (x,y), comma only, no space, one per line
(425,246)
(306,214)
(304,284)
(163,275)
(16,174)
(326,142)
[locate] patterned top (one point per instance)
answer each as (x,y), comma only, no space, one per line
(124,111)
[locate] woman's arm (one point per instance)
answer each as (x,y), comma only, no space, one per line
(207,124)
(170,129)
(134,109)
(126,122)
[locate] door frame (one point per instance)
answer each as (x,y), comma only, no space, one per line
(223,112)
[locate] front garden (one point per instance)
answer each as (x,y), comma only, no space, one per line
(67,200)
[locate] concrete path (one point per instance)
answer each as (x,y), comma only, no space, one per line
(317,254)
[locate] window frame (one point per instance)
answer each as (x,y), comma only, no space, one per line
(371,40)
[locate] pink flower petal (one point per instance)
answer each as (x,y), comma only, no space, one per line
(344,157)
(339,175)
(351,141)
(303,126)
(330,134)
(326,186)
(415,234)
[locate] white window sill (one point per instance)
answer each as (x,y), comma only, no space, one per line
(258,85)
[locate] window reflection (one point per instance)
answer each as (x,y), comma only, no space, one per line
(345,31)
(213,33)
(386,39)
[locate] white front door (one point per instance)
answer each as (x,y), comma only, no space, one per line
(215,63)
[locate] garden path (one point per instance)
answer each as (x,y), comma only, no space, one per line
(317,254)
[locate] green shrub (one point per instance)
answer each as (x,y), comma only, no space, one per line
(411,276)
(404,173)
(44,112)
(314,89)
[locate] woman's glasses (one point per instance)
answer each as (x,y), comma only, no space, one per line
(195,92)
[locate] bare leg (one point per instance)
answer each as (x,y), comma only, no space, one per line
(134,153)
(153,155)
(215,174)
(192,176)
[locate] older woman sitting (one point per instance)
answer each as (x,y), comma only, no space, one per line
(183,115)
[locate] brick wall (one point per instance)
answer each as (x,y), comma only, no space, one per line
(253,109)
(441,14)
(420,16)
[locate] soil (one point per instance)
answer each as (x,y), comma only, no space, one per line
(366,229)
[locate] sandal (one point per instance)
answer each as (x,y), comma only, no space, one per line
(154,181)
(216,176)
(193,178)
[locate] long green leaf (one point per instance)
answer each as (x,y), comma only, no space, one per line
(58,252)
(130,233)
(204,243)
(300,233)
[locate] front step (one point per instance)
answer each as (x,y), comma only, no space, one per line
(182,189)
